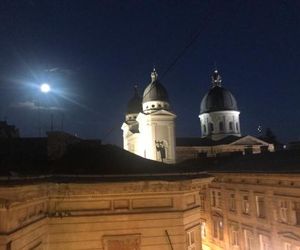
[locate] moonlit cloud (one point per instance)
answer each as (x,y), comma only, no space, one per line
(33,106)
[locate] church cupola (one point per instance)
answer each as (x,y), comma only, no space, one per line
(219,114)
(134,106)
(155,95)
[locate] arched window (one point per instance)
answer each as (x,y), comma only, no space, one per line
(231,125)
(211,126)
(221,126)
(237,126)
(204,129)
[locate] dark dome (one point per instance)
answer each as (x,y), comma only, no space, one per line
(155,91)
(218,99)
(135,103)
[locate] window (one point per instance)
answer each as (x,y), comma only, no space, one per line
(287,246)
(283,210)
(249,240)
(8,246)
(297,212)
(221,126)
(203,230)
(202,201)
(191,243)
(245,204)
(211,127)
(264,242)
(234,237)
(232,203)
(237,126)
(231,125)
(204,129)
(260,207)
(216,199)
(159,105)
(152,105)
(218,231)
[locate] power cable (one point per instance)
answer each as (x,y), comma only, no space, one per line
(180,55)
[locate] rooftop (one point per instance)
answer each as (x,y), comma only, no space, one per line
(27,160)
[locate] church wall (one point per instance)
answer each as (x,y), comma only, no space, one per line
(154,127)
(213,119)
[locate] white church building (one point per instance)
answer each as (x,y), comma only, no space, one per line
(149,127)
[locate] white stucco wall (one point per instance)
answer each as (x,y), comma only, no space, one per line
(217,117)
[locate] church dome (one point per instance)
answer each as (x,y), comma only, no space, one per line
(155,91)
(217,98)
(135,103)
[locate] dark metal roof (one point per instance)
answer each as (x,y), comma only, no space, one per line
(218,99)
(286,161)
(87,161)
(135,103)
(83,161)
(198,141)
(155,91)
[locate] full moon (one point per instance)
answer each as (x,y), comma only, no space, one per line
(45,87)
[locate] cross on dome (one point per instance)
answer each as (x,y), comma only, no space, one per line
(154,75)
(216,79)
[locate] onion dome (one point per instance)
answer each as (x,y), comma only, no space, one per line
(155,91)
(135,103)
(217,98)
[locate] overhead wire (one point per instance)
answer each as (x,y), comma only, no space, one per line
(181,53)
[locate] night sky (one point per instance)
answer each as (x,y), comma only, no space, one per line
(94,52)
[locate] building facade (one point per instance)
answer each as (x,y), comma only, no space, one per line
(128,215)
(246,203)
(232,211)
(251,212)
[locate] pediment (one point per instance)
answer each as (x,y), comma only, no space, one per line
(163,112)
(249,140)
(289,235)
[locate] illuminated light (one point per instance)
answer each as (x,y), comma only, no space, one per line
(45,88)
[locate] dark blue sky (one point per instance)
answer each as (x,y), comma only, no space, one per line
(93,52)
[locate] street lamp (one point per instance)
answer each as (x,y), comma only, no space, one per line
(160,147)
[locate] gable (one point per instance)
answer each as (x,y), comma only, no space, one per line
(249,140)
(162,112)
